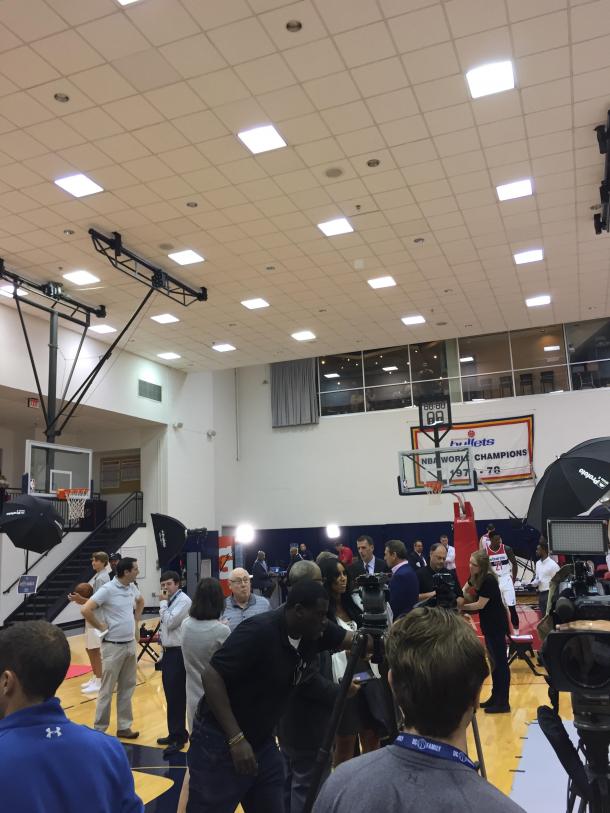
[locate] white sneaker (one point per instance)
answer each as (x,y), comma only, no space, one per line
(87,682)
(94,686)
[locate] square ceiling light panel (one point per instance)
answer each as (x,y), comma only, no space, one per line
(165,318)
(78,185)
(533,256)
(494,77)
(186,257)
(331,228)
(81,277)
(262,139)
(382,282)
(516,189)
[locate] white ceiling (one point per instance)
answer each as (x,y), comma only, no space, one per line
(159,89)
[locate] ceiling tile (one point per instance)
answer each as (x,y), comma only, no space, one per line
(147,70)
(380,77)
(25,68)
(331,91)
(162,21)
(441,92)
(220,87)
(395,105)
(367,44)
(213,15)
(341,15)
(431,63)
(193,56)
(68,52)
(471,16)
(315,59)
(265,74)
(83,11)
(242,41)
(31,21)
(113,36)
(540,33)
(419,29)
(103,84)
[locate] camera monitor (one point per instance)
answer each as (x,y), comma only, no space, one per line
(578,537)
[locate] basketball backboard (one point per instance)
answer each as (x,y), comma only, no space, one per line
(423,470)
(49,467)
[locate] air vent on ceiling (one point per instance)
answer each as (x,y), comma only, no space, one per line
(148,390)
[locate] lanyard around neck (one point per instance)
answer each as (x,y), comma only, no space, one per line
(415,742)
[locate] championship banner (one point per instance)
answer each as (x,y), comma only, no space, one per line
(503,450)
(225,562)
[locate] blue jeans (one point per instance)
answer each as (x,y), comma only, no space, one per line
(214,785)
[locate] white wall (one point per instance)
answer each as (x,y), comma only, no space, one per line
(344,470)
(116,387)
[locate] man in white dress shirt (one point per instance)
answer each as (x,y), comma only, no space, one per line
(173,609)
(545,570)
(450,561)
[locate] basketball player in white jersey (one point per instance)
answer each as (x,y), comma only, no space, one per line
(485,539)
(504,563)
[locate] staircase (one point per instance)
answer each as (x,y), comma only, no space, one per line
(109,536)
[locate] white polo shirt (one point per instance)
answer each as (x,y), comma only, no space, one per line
(545,570)
(118,602)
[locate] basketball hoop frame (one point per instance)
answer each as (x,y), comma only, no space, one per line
(433,486)
(76,499)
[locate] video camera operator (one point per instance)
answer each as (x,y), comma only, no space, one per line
(437,668)
(436,582)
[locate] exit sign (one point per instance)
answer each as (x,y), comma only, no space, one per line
(33,403)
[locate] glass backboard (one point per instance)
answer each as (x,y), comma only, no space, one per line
(49,467)
(419,470)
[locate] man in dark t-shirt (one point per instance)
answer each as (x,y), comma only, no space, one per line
(233,755)
(425,575)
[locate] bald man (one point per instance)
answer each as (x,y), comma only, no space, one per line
(242,603)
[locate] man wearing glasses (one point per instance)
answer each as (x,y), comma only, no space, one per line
(242,603)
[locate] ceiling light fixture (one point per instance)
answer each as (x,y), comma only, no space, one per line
(516,189)
(165,318)
(103,329)
(373,162)
(7,290)
(223,348)
(418,319)
(68,232)
(333,531)
(244,533)
(294,26)
(550,348)
(192,204)
(262,139)
(303,335)
(61,97)
(331,375)
(533,256)
(494,77)
(126,2)
(78,185)
(389,369)
(254,304)
(81,277)
(168,356)
(331,228)
(466,359)
(537,301)
(186,257)
(382,282)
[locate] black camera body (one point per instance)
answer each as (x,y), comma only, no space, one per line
(444,585)
(373,589)
(581,598)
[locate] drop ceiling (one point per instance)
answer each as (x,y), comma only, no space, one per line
(159,89)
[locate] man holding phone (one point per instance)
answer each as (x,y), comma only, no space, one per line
(174,607)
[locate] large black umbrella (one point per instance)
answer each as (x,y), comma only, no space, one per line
(572,484)
(31,523)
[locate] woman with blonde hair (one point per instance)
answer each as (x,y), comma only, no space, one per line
(494,626)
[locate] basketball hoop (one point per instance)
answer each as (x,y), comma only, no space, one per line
(433,486)
(76,499)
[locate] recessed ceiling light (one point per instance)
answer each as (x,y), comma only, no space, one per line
(68,232)
(81,277)
(494,77)
(165,318)
(516,189)
(533,256)
(550,348)
(253,304)
(303,335)
(7,290)
(126,2)
(466,359)
(382,282)
(331,375)
(61,97)
(389,369)
(418,319)
(103,329)
(168,356)
(186,257)
(339,225)
(78,185)
(262,139)
(537,301)
(223,348)
(294,26)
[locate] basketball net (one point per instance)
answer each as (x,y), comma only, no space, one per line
(76,499)
(434,490)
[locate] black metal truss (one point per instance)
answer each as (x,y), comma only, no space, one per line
(144,271)
(601,220)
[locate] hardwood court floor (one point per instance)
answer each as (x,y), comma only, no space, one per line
(158,782)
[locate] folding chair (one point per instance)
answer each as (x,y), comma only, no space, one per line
(521,647)
(145,642)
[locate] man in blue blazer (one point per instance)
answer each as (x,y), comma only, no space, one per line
(404,586)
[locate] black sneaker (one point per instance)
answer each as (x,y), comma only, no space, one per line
(173,748)
(164,740)
(486,703)
(498,709)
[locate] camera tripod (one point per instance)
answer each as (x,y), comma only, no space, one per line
(358,650)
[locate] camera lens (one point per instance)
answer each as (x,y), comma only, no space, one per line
(585,659)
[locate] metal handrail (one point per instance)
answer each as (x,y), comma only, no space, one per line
(135,496)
